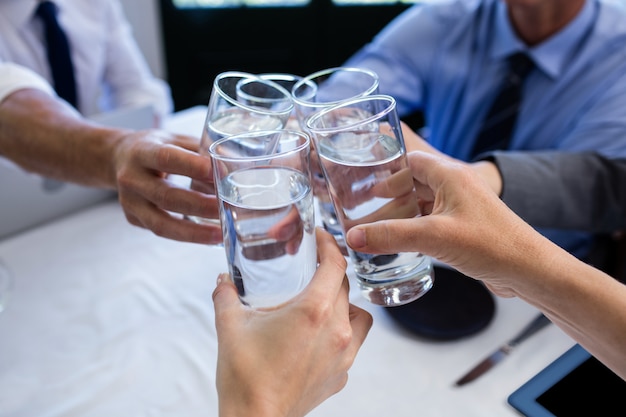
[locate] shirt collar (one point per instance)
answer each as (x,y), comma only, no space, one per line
(23,11)
(552,55)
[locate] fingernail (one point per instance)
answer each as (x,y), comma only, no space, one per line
(356,238)
(221,277)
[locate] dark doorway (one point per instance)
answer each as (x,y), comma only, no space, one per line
(199,43)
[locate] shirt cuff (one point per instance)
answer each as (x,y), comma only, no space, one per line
(14,77)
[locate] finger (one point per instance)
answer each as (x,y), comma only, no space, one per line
(329,276)
(423,191)
(190,143)
(400,183)
(161,155)
(175,160)
(361,322)
(292,246)
(398,208)
(167,195)
(342,302)
(226,301)
(391,236)
(141,213)
(430,170)
(182,200)
(287,227)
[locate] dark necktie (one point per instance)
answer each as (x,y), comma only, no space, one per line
(59,56)
(497,128)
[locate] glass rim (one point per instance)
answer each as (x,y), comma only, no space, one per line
(280,76)
(349,103)
(247,75)
(305,144)
(309,79)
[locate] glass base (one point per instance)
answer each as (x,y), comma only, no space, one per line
(399,291)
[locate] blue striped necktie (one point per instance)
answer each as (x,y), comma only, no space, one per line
(497,128)
(58,50)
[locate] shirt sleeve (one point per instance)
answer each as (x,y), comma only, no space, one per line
(127,74)
(14,77)
(576,191)
(395,55)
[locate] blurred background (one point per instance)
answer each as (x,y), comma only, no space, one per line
(188,42)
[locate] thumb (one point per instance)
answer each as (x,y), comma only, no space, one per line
(225,298)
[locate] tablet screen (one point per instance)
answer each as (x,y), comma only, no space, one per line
(575,384)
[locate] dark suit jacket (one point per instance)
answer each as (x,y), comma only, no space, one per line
(559,190)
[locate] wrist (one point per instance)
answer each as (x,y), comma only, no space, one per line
(489,172)
(244,408)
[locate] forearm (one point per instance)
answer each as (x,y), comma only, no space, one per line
(45,136)
(587,304)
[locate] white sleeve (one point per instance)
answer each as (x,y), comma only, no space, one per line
(14,77)
(127,72)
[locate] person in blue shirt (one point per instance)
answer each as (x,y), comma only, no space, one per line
(446,60)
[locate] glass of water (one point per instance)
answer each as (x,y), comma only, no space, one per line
(266,211)
(363,156)
(287,81)
(241,102)
(319,91)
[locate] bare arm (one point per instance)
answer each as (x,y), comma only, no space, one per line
(47,136)
(44,135)
(470,229)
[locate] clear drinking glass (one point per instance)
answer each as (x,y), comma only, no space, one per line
(267,215)
(363,156)
(287,81)
(319,91)
(241,102)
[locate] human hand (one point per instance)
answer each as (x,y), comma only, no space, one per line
(289,231)
(142,163)
(414,142)
(487,170)
(284,361)
(386,190)
(468,227)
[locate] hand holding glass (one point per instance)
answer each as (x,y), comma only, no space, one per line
(362,153)
(267,216)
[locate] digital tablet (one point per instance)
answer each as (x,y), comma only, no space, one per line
(575,384)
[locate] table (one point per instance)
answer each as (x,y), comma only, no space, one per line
(107,319)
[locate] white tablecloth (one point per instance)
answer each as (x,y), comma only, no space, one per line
(107,319)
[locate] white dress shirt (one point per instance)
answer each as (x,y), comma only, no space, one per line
(15,77)
(111,71)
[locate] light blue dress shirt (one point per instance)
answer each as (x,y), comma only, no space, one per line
(447,60)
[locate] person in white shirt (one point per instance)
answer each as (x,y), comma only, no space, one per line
(110,70)
(113,84)
(44,135)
